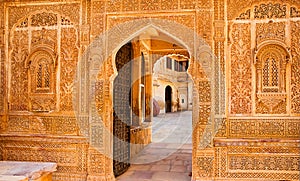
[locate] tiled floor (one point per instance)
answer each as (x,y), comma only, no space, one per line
(169,156)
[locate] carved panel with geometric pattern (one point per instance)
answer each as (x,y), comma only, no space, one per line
(69,154)
(256,161)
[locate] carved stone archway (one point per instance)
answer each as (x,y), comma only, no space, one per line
(96,71)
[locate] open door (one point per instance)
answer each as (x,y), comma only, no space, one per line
(122,111)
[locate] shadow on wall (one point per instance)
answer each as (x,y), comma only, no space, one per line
(156,108)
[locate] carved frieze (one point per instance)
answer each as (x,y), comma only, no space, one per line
(240,161)
(70,10)
(263,128)
(56,125)
(270,31)
(274,9)
(97,24)
(187,19)
(270,11)
(44,19)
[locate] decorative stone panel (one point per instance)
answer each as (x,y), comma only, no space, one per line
(270,31)
(295,69)
(69,154)
(264,128)
(244,159)
(240,74)
(274,8)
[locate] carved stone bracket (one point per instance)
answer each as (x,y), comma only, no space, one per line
(271,100)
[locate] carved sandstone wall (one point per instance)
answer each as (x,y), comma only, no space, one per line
(262,122)
(41,44)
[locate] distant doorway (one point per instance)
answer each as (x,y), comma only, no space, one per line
(168,99)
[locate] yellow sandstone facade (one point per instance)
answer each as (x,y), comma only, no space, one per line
(60,61)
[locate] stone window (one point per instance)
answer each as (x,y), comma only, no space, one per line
(169,63)
(271,64)
(271,69)
(43,73)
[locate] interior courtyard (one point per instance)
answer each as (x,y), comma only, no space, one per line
(153,90)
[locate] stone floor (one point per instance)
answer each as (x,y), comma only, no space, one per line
(169,156)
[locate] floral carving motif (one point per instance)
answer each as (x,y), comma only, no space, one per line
(267,31)
(69,57)
(294,12)
(23,24)
(262,11)
(245,15)
(44,19)
(19,79)
(69,10)
(270,11)
(205,25)
(241,70)
(295,79)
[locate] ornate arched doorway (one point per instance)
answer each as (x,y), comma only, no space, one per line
(99,71)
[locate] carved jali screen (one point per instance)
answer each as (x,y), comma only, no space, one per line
(122,116)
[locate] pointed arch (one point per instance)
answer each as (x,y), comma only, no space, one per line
(94,88)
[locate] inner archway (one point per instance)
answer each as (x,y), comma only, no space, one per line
(135,71)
